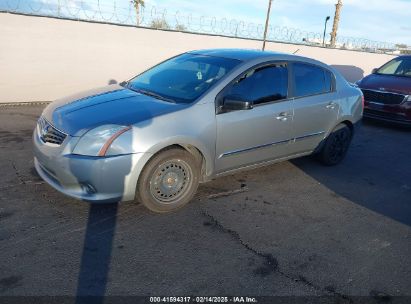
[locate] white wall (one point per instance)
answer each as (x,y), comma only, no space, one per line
(43,58)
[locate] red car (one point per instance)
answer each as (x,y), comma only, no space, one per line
(387,91)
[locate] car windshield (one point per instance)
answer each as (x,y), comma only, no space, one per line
(400,66)
(182,79)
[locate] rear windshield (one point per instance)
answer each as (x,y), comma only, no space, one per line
(184,78)
(400,66)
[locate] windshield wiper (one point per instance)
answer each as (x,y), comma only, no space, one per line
(152,94)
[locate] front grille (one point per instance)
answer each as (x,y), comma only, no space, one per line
(383,97)
(50,134)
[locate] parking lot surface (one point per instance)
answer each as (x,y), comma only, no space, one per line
(293,228)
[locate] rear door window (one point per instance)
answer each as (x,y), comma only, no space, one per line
(262,85)
(309,80)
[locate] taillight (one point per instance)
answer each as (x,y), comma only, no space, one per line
(362,101)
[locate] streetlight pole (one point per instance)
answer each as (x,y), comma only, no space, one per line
(325,28)
(266,23)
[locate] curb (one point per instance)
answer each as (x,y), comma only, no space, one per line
(30,103)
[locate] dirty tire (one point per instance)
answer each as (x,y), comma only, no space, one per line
(336,145)
(169,180)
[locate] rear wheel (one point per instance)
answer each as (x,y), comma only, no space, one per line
(168,181)
(336,145)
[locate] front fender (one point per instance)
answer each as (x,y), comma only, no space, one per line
(206,152)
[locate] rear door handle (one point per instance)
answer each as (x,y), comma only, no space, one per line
(283,116)
(331,105)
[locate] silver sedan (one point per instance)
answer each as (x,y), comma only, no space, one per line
(192,118)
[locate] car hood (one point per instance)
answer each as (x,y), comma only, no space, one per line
(112,104)
(387,83)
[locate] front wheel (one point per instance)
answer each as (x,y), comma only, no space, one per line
(336,145)
(168,181)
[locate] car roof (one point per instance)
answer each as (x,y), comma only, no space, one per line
(246,55)
(238,54)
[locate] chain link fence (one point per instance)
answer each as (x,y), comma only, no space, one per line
(123,12)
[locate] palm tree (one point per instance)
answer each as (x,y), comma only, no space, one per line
(335,24)
(137,4)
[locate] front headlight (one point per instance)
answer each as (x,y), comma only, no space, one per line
(97,142)
(409,98)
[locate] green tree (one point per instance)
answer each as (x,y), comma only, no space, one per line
(137,5)
(160,23)
(401,45)
(180,27)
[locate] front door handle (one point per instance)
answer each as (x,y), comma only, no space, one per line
(331,105)
(283,116)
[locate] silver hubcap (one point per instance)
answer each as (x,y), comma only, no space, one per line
(170,181)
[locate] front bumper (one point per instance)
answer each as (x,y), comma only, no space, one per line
(388,116)
(87,178)
(394,113)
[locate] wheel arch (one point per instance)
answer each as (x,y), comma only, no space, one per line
(344,121)
(349,124)
(351,121)
(200,153)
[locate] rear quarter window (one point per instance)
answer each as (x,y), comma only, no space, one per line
(310,79)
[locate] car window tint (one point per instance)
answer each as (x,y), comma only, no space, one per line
(310,80)
(262,85)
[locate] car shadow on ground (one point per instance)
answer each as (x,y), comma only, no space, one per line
(384,187)
(350,72)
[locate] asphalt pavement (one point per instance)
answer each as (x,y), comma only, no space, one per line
(291,229)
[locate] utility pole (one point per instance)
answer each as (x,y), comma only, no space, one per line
(266,23)
(335,24)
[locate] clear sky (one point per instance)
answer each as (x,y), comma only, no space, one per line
(380,20)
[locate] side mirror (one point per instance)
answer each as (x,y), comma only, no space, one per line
(235,102)
(374,71)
